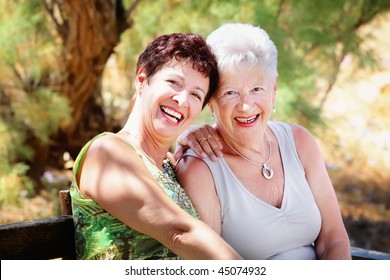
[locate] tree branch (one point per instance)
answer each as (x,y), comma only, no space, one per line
(54,8)
(124,17)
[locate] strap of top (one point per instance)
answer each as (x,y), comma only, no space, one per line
(84,150)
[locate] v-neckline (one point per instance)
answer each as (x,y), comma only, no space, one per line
(282,206)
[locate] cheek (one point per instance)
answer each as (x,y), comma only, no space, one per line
(224,108)
(221,115)
(196,109)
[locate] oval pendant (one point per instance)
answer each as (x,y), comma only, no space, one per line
(268,173)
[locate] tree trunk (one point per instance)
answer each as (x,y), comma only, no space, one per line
(90,29)
(92,35)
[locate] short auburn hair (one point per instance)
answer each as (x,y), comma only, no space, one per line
(181,46)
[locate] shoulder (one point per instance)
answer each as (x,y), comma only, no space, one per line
(301,134)
(106,140)
(98,147)
(306,144)
(106,152)
(110,144)
(111,162)
(191,170)
(190,164)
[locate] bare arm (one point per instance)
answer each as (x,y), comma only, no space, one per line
(115,177)
(190,139)
(197,180)
(333,241)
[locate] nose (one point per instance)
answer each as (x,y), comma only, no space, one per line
(181,98)
(245,103)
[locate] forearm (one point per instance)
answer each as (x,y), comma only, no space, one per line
(186,236)
(201,243)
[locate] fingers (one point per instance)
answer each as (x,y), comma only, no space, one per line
(204,140)
(214,140)
(211,144)
(207,142)
(188,140)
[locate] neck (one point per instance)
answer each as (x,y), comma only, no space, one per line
(252,147)
(135,132)
(266,170)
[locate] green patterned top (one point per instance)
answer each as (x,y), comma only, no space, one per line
(99,235)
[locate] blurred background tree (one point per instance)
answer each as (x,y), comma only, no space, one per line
(67,66)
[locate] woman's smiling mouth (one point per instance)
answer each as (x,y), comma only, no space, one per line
(247,120)
(171,114)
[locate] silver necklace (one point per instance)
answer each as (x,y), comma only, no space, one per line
(267,171)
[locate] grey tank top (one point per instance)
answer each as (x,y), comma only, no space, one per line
(258,230)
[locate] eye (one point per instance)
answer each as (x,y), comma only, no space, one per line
(231,93)
(173,82)
(258,89)
(196,95)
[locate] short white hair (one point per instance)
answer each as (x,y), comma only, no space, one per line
(233,43)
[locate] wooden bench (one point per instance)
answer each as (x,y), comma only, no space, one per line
(53,238)
(42,239)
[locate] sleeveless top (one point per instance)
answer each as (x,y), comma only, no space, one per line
(99,235)
(258,230)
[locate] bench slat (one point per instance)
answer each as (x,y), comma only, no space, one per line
(364,254)
(38,239)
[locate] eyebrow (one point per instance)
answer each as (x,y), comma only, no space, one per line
(201,90)
(182,79)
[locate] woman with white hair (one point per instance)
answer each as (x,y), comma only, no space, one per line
(269,196)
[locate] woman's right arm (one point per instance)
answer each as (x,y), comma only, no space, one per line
(114,176)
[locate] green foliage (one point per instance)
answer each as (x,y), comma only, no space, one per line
(27,106)
(41,111)
(12,142)
(14,184)
(313,38)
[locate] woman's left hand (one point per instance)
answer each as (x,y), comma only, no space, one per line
(203,139)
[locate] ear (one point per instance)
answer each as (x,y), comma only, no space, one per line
(140,78)
(274,93)
(210,106)
(276,80)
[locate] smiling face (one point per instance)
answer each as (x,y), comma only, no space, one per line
(243,103)
(172,98)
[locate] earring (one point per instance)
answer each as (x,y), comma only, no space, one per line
(212,116)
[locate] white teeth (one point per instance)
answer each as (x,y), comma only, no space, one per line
(172,119)
(248,120)
(172,115)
